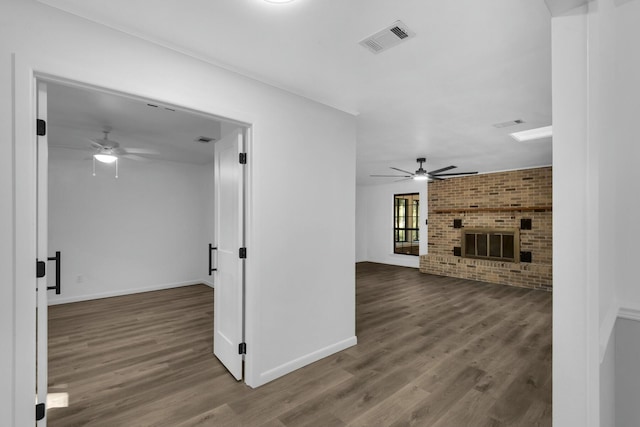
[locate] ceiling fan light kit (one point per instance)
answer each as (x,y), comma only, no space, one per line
(105,158)
(422,175)
(109,151)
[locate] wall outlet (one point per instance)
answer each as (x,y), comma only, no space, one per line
(79,278)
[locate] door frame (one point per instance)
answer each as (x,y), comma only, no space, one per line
(26,73)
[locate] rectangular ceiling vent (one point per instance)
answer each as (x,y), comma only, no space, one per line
(387,38)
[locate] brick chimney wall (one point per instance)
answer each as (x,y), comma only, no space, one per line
(496,201)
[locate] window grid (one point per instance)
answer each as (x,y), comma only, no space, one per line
(406,224)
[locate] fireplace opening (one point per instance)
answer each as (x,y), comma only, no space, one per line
(491,243)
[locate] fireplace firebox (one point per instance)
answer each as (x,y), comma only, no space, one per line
(491,243)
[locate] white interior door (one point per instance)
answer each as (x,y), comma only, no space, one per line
(42,254)
(229,276)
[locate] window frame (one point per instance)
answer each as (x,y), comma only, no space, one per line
(407,229)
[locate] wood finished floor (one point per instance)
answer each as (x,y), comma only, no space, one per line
(432,351)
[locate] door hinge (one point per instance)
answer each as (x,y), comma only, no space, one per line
(41,410)
(41,127)
(243,158)
(41,269)
(242,348)
(243,252)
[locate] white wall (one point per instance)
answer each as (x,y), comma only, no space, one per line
(374,222)
(143,231)
(596,65)
(362,224)
(7,246)
(627,77)
(575,295)
(627,374)
(300,292)
(608,385)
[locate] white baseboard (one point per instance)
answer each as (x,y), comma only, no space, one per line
(397,260)
(305,360)
(616,311)
(121,292)
(208,283)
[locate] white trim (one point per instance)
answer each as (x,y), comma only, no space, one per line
(25,70)
(629,313)
(24,243)
(305,360)
(131,291)
(607,328)
(559,7)
(208,283)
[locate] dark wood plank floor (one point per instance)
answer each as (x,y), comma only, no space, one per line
(432,351)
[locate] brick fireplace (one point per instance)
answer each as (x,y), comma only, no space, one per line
(492,227)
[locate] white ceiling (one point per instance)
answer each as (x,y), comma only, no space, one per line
(472,64)
(76,115)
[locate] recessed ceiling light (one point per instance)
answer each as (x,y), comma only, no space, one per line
(531,134)
(278,1)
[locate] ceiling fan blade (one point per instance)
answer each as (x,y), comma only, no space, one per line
(442,170)
(103,143)
(96,144)
(402,170)
(455,174)
(404,179)
(392,176)
(135,157)
(140,151)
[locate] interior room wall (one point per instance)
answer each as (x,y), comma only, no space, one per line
(289,132)
(620,52)
(608,385)
(7,246)
(374,222)
(362,227)
(575,308)
(627,374)
(141,231)
(208,230)
(603,111)
(596,91)
(626,148)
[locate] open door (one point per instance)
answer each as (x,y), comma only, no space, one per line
(42,255)
(229,233)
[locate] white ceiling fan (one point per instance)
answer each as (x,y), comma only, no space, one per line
(108,151)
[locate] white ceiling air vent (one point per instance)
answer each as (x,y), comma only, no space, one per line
(387,38)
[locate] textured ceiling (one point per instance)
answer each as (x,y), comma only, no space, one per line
(472,64)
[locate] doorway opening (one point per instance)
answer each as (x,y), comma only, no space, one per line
(138,234)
